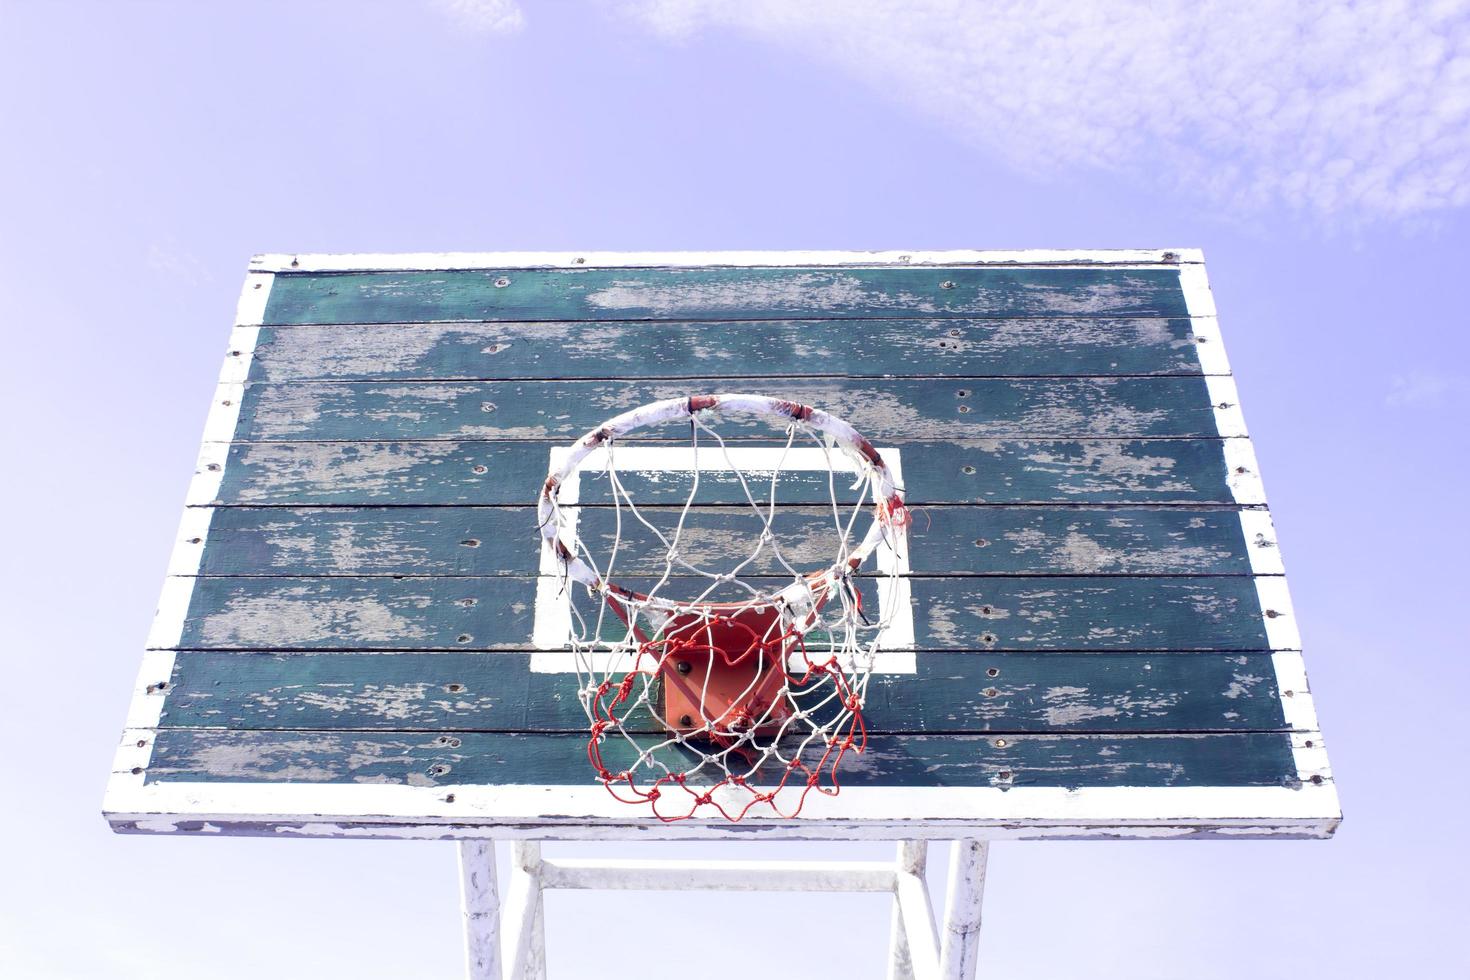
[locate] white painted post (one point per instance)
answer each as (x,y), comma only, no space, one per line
(480,902)
(527,856)
(537,968)
(913,857)
(962,910)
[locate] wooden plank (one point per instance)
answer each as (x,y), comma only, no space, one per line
(956,348)
(910,761)
(722,294)
(1035,613)
(895,411)
(951,692)
(1186,471)
(965,540)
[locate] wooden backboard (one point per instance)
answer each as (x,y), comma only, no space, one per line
(357,635)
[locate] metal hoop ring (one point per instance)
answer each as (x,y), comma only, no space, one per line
(888,497)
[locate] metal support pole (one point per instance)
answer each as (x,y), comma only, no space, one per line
(480,902)
(530,959)
(962,909)
(913,856)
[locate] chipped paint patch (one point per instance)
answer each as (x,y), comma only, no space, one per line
(328,469)
(809,292)
(297,614)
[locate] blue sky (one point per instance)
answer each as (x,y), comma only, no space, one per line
(1317,153)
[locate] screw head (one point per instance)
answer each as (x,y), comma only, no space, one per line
(682,666)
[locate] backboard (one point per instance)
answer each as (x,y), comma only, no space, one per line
(359,636)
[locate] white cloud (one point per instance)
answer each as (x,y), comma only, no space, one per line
(1352,111)
(486,16)
(167,259)
(1423,387)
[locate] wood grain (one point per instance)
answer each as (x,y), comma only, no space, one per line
(478,541)
(940,347)
(895,411)
(494,758)
(1027,613)
(1185,471)
(721,294)
(951,692)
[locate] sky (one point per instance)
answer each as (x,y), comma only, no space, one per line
(1317,152)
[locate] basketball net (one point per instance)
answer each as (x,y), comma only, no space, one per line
(705,691)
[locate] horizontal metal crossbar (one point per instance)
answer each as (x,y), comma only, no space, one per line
(743,876)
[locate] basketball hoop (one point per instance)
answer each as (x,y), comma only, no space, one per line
(719,702)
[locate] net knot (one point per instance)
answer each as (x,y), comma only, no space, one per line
(893,513)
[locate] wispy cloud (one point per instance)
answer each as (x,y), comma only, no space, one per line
(1351,111)
(1423,387)
(168,260)
(485,16)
